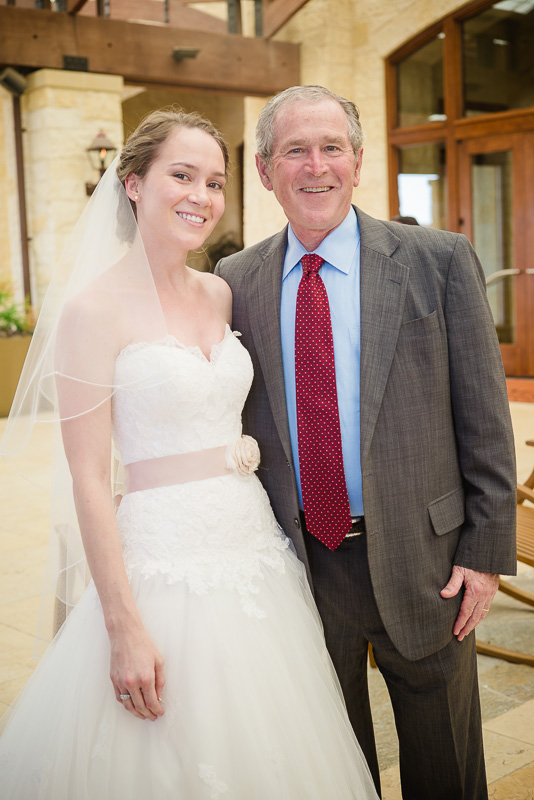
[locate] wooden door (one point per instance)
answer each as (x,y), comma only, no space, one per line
(496,187)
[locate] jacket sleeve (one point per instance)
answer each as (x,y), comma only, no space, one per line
(482,419)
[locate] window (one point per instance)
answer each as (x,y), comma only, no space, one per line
(422,183)
(420,85)
(498,58)
(452,83)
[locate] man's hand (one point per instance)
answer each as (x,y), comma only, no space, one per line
(480,588)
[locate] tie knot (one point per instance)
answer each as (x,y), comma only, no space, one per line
(311,262)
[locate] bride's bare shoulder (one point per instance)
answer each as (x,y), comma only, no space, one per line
(218,288)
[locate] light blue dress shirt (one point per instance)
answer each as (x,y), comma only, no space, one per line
(341,277)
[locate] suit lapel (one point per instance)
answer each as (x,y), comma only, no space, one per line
(383,285)
(266,289)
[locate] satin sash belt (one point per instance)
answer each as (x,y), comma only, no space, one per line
(197,465)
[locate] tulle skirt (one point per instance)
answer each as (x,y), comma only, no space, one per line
(253,708)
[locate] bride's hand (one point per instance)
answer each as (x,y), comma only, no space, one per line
(137,670)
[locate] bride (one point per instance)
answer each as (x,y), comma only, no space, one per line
(197,608)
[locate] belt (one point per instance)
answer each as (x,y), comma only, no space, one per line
(358,527)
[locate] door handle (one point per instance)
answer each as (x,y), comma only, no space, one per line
(529,271)
(502,273)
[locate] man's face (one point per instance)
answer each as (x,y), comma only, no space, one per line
(313,168)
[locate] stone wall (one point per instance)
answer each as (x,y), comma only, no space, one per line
(62,113)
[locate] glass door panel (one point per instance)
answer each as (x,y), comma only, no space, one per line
(422,184)
(493,234)
(496,176)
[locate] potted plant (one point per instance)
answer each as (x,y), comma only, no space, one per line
(17,321)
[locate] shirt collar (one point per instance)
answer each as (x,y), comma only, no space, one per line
(338,248)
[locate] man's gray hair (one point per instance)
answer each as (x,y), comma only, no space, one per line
(307,94)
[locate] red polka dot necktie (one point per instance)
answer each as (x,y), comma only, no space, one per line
(322,477)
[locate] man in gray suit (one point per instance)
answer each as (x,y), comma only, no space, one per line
(427,444)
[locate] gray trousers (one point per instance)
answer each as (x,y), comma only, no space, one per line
(435,699)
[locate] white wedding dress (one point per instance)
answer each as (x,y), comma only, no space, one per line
(253,710)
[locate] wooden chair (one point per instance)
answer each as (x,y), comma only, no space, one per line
(525,553)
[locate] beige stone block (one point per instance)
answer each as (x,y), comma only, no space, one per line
(519,785)
(314,71)
(341,37)
(67,79)
(50,122)
(36,100)
(360,35)
(515,724)
(504,754)
(67,98)
(102,107)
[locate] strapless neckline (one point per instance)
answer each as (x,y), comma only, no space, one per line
(172,341)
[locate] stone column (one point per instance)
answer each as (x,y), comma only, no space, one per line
(62,113)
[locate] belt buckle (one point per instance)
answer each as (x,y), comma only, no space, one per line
(352,534)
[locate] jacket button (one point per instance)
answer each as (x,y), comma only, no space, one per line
(297,522)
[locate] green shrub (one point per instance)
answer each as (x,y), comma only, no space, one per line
(15,318)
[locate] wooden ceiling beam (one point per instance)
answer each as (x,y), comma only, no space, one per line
(142,53)
(73,6)
(277,12)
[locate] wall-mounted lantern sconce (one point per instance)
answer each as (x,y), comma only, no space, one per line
(179,53)
(100,152)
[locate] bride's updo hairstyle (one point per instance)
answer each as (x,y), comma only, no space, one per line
(144,144)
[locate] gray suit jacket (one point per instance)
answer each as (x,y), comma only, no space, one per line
(437,449)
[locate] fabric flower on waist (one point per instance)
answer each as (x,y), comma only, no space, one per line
(243,455)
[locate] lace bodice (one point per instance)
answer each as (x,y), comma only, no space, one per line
(176,399)
(207,533)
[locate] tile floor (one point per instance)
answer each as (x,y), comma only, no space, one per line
(507,690)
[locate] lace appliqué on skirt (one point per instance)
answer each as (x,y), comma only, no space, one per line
(170,531)
(207,774)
